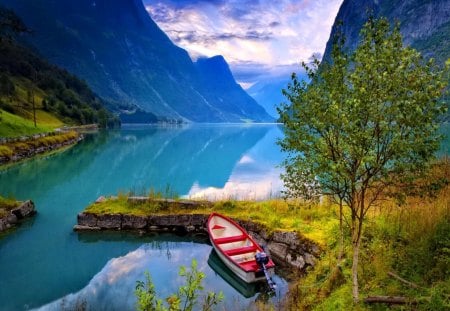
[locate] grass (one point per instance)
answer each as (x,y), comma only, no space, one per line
(412,240)
(10,149)
(7,204)
(12,125)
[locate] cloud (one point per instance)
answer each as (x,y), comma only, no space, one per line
(267,34)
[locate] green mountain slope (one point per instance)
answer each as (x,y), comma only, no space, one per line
(31,88)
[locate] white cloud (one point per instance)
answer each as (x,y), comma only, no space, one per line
(264,33)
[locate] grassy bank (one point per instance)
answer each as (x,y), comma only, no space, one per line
(409,241)
(11,149)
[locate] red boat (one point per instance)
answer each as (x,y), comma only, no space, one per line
(237,249)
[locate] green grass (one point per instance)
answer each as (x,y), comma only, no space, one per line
(7,204)
(13,125)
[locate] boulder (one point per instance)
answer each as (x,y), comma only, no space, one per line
(290,238)
(11,219)
(26,209)
(278,250)
(295,261)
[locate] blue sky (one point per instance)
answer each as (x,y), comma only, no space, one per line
(258,38)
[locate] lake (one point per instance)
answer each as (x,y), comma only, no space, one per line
(44,264)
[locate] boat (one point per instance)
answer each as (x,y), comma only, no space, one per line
(238,251)
(247,290)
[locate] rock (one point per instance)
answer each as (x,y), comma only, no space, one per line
(24,210)
(190,229)
(278,250)
(11,218)
(198,220)
(109,221)
(100,199)
(87,219)
(288,238)
(3,224)
(310,259)
(295,261)
(134,222)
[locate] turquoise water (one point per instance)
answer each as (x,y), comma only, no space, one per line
(43,263)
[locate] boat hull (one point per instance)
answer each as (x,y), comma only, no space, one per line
(249,277)
(237,249)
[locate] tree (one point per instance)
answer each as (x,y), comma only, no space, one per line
(364,123)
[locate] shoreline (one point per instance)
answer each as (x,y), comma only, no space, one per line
(14,151)
(288,248)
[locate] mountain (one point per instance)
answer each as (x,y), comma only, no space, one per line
(117,48)
(424,24)
(31,89)
(219,83)
(268,93)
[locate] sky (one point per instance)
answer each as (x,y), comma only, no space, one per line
(260,39)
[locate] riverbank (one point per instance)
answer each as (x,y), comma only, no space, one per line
(145,214)
(25,147)
(12,212)
(406,244)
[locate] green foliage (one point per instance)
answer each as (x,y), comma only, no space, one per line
(364,123)
(63,94)
(186,299)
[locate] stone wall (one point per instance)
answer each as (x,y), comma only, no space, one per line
(26,209)
(287,248)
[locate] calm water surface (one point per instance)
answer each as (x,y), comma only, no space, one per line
(45,264)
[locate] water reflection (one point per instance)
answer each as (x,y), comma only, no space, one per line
(255,176)
(113,287)
(47,259)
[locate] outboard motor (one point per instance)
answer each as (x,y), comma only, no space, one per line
(262,259)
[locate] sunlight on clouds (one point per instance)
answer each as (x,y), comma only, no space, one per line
(265,33)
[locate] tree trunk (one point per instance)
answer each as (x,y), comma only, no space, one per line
(355,286)
(341,232)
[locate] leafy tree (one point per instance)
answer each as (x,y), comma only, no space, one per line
(364,123)
(6,86)
(184,300)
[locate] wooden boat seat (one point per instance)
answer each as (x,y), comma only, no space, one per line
(218,227)
(250,265)
(241,250)
(231,239)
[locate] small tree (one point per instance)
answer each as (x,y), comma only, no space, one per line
(186,298)
(362,124)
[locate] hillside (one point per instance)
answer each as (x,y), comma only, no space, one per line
(31,88)
(126,59)
(425,25)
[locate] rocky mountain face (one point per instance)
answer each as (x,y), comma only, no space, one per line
(424,24)
(116,47)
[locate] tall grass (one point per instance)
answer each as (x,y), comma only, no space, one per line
(411,239)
